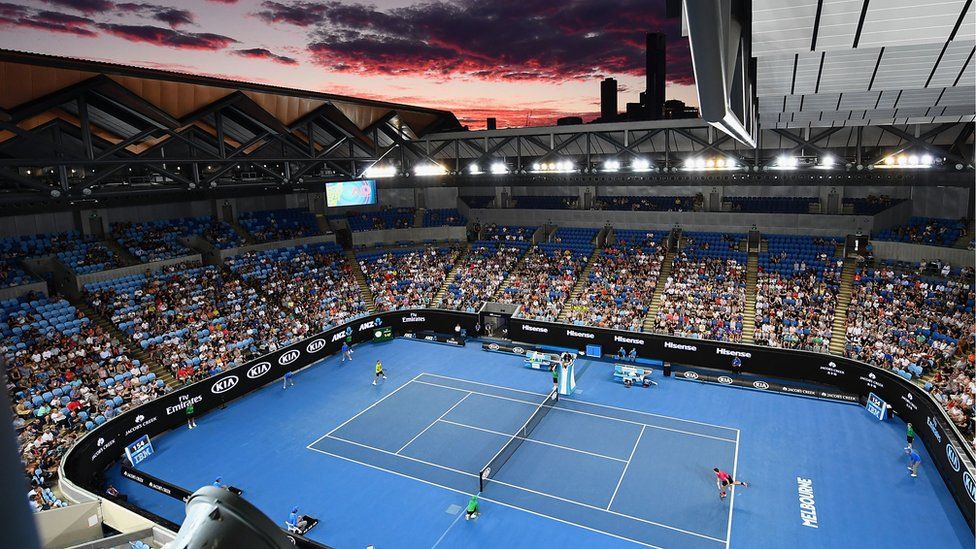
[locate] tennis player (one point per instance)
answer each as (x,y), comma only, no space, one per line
(346,352)
(913,462)
(724,480)
(911,437)
(379,372)
(472,511)
(554,368)
(289,379)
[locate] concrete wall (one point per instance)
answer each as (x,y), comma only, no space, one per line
(915,253)
(69,525)
(945,202)
(419,234)
(55,222)
(17,291)
(81,280)
(221,255)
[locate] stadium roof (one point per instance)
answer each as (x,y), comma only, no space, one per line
(35,89)
(855,62)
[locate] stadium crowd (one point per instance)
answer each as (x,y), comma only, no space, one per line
(620,284)
(704,296)
(481,273)
(543,282)
(402,279)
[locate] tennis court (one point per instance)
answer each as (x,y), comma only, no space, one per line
(610,470)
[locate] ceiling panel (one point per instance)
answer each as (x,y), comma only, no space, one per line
(782,25)
(846,70)
(909,22)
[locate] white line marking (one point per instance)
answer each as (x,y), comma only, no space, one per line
(433,423)
(585,403)
(363,411)
(570,410)
(502,503)
(735,465)
(440,539)
(571,449)
(446,468)
(624,473)
(523,488)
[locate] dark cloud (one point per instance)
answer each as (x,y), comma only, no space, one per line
(87,7)
(160,36)
(261,53)
(223,1)
(173,17)
(516,41)
(12,15)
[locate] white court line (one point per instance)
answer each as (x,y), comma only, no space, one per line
(531,491)
(433,423)
(440,539)
(735,465)
(363,411)
(570,410)
(586,403)
(502,503)
(624,473)
(509,435)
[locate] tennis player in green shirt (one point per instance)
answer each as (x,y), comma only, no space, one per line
(191,421)
(911,437)
(379,372)
(472,511)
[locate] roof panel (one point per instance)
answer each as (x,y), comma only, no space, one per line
(838,23)
(782,25)
(905,22)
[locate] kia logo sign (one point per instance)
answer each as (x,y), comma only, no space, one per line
(967,481)
(290,356)
(224,385)
(518,350)
(493,346)
(691,375)
(725,379)
(953,457)
(258,370)
(315,346)
(760,384)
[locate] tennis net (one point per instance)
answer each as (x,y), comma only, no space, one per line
(506,451)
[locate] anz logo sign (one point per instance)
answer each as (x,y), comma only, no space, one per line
(258,370)
(290,356)
(315,346)
(224,385)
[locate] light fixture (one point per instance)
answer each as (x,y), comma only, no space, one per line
(828,161)
(927,159)
(473,169)
(913,160)
(376,171)
(429,169)
(889,161)
(498,168)
(611,165)
(700,163)
(640,165)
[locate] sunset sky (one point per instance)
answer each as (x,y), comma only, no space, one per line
(526,62)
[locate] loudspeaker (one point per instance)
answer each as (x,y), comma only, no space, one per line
(667,369)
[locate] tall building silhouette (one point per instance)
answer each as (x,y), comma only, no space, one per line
(654,94)
(608,100)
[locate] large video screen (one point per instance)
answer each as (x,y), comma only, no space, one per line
(350,193)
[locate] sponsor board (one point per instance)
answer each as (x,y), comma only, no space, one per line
(680,346)
(413,318)
(224,384)
(315,346)
(375,323)
(518,350)
(182,402)
(691,375)
(760,384)
(258,370)
(969,484)
(934,427)
(953,457)
(538,329)
(725,380)
(909,401)
(731,352)
(140,423)
(583,335)
(831,369)
(871,380)
(289,356)
(631,340)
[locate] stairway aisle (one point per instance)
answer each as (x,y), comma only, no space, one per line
(749,315)
(134,350)
(242,232)
(125,256)
(458,264)
(580,284)
(838,332)
(658,297)
(515,268)
(360,276)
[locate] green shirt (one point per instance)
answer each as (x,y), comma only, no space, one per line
(555,373)
(189,410)
(473,504)
(911,431)
(379,367)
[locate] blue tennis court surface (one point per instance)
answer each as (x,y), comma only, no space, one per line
(585,464)
(394,464)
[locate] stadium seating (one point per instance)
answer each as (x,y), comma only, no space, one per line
(925,230)
(871,205)
(390,218)
(160,240)
(284,224)
(478,201)
(481,273)
(546,202)
(647,203)
(771,204)
(444,216)
(406,278)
